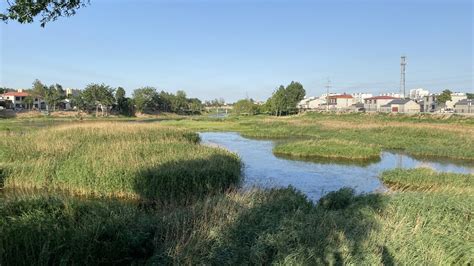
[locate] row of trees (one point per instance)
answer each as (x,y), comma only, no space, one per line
(284,101)
(143,100)
(102,99)
(148,99)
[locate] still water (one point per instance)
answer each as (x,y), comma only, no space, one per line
(263,169)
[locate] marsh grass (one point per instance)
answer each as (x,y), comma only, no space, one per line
(328,148)
(117,160)
(426,218)
(276,226)
(426,136)
(424,179)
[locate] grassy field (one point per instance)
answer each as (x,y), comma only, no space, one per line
(137,193)
(127,160)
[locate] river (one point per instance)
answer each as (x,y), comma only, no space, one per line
(263,169)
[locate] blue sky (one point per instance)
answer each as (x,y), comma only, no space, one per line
(231,48)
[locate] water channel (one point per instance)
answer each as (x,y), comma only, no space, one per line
(315,178)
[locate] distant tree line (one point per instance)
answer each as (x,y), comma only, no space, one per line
(283,101)
(103,99)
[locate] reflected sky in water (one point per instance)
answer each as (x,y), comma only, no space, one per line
(262,168)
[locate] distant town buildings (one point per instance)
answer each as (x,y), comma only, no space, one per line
(418,100)
(360,97)
(418,94)
(431,104)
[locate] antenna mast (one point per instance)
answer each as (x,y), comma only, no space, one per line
(403,63)
(328,86)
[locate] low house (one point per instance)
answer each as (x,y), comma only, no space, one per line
(464,106)
(430,103)
(311,103)
(406,106)
(373,104)
(342,101)
(304,104)
(315,103)
(16,99)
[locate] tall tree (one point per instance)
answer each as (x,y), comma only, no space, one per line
(179,103)
(54,95)
(444,97)
(294,94)
(24,11)
(279,101)
(145,99)
(120,99)
(38,91)
(100,95)
(195,105)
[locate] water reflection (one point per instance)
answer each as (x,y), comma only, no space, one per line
(316,177)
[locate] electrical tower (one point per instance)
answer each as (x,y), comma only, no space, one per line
(328,86)
(403,63)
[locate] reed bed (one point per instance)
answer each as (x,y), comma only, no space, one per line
(277,226)
(425,136)
(329,149)
(117,160)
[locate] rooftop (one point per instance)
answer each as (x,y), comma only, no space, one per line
(465,102)
(381,98)
(341,96)
(16,94)
(399,101)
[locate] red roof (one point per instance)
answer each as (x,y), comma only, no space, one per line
(381,98)
(16,94)
(341,96)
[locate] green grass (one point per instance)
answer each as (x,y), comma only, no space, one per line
(328,148)
(117,159)
(278,226)
(198,217)
(424,179)
(427,136)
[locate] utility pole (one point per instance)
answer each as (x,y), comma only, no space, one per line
(403,63)
(328,86)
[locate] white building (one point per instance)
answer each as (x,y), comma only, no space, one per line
(392,94)
(373,104)
(431,105)
(311,103)
(418,94)
(359,97)
(341,101)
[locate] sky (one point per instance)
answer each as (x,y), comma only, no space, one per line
(236,49)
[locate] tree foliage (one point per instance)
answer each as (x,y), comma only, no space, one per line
(444,97)
(53,95)
(124,105)
(25,11)
(245,106)
(99,95)
(284,100)
(145,99)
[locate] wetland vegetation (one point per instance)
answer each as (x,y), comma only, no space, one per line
(150,193)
